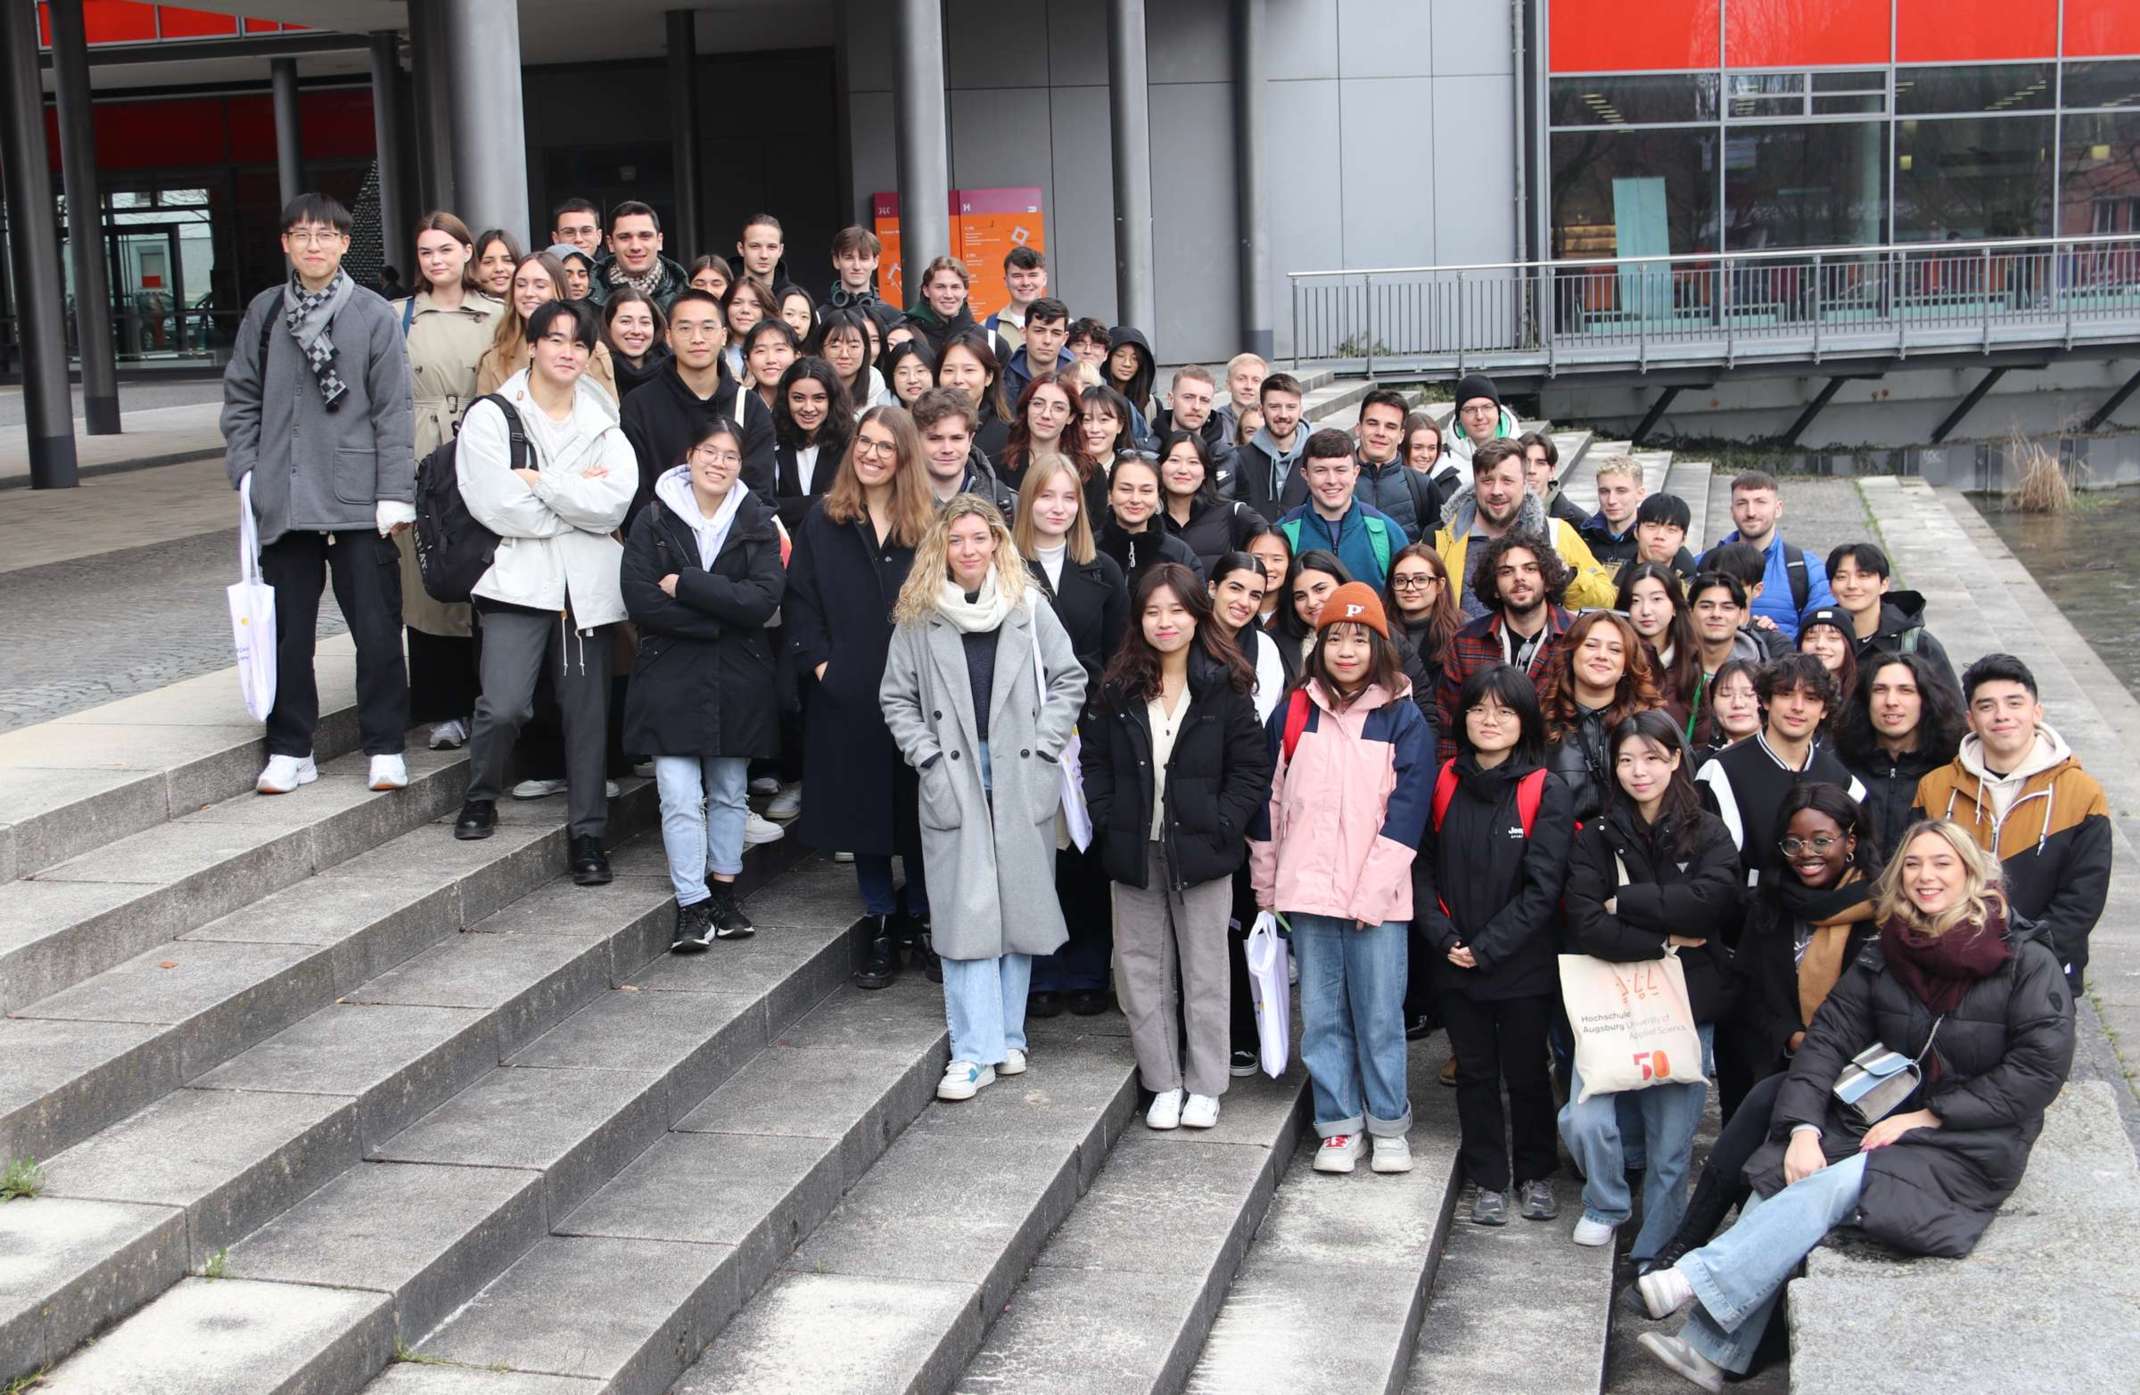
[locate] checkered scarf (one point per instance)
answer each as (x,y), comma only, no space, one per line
(308,313)
(644,282)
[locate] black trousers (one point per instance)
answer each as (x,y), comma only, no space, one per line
(1242,1022)
(1502,1042)
(366,571)
(443,676)
(518,647)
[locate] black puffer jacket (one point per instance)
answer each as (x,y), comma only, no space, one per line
(1093,608)
(1134,552)
(1218,776)
(2000,1058)
(1479,882)
(1579,758)
(1764,967)
(1890,789)
(1664,895)
(703,681)
(1213,530)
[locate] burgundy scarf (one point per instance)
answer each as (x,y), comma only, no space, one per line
(1939,969)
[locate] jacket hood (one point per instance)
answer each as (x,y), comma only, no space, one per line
(1901,610)
(1130,334)
(2050,753)
(925,315)
(1265,442)
(1489,783)
(593,410)
(1462,512)
(1375,696)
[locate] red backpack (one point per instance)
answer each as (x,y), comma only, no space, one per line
(1530,790)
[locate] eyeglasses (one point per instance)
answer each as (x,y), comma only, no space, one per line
(872,448)
(1792,847)
(315,237)
(1415,583)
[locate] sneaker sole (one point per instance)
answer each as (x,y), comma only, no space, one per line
(1652,1343)
(386,786)
(1649,1305)
(1387,1168)
(302,781)
(473,835)
(1193,1124)
(759,841)
(688,947)
(743,934)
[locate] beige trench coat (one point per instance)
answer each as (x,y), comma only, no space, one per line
(443,347)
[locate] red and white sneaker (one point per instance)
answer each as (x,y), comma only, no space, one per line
(1338,1153)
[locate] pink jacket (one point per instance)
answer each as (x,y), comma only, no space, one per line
(1347,811)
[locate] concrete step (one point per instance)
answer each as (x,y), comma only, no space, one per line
(1334,1287)
(1689,480)
(1123,1295)
(276,1160)
(93,1053)
(92,912)
(86,780)
(706,1216)
(1347,416)
(913,1266)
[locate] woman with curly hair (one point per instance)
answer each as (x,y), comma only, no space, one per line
(1598,678)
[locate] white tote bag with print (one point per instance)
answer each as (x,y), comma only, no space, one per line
(252,614)
(1268,984)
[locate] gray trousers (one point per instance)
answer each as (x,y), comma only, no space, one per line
(1162,936)
(516,644)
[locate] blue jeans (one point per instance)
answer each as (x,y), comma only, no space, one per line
(984,1005)
(1738,1276)
(873,874)
(704,802)
(1668,1116)
(1352,1023)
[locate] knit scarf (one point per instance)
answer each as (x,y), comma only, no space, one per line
(1830,911)
(986,611)
(1939,969)
(644,282)
(308,313)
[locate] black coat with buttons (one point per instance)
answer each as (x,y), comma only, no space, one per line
(1093,605)
(1217,777)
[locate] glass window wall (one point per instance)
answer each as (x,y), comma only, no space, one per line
(1973,179)
(1818,184)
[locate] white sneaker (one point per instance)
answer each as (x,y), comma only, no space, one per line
(1593,1234)
(1664,1292)
(1392,1155)
(1683,1360)
(610,790)
(787,804)
(448,736)
(1201,1112)
(1013,1062)
(389,773)
(765,784)
(757,831)
(538,789)
(286,773)
(1165,1112)
(963,1080)
(843,857)
(1338,1153)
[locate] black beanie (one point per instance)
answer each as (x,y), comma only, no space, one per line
(1476,385)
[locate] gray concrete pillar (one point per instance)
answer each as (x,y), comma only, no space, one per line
(396,249)
(428,75)
(1129,111)
(85,220)
(289,136)
(683,239)
(33,248)
(1249,209)
(490,153)
(924,145)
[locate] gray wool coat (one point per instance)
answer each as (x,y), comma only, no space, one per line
(990,859)
(316,471)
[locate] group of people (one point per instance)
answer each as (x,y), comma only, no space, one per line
(947,590)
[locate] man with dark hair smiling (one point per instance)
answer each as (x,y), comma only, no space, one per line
(1047,329)
(1883,620)
(1385,480)
(635,258)
(1517,578)
(1499,501)
(1268,469)
(578,223)
(1363,537)
(2021,792)
(662,418)
(1744,784)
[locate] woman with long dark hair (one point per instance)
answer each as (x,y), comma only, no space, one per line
(1308,584)
(966,361)
(744,306)
(497,253)
(1901,724)
(908,370)
(1106,430)
(1048,424)
(1426,605)
(1133,534)
(1981,1003)
(843,342)
(1598,678)
(1655,603)
(1730,710)
(1657,876)
(1491,902)
(636,330)
(1826,634)
(1175,767)
(811,421)
(1131,370)
(1208,524)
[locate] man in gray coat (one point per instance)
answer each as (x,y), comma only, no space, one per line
(316,412)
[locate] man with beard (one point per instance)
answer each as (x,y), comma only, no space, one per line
(1497,502)
(1517,578)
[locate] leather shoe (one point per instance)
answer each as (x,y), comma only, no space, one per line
(1088,1002)
(1044,1005)
(479,819)
(590,865)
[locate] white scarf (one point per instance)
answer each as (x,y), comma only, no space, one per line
(985,612)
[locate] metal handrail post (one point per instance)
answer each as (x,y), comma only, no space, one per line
(1816,306)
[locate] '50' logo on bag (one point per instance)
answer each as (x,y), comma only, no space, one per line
(1655,1065)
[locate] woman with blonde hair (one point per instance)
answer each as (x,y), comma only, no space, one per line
(981,691)
(852,554)
(1977,1002)
(537,279)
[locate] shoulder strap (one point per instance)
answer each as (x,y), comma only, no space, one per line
(1291,529)
(1378,542)
(1794,569)
(408,315)
(1444,791)
(1530,792)
(516,434)
(1910,639)
(267,337)
(1296,722)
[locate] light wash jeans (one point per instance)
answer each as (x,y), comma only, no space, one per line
(984,1005)
(1667,1117)
(704,803)
(1738,1276)
(1352,1023)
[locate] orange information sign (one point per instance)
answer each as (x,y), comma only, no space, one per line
(985,225)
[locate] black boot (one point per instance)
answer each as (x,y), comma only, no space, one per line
(692,929)
(1712,1201)
(479,819)
(880,964)
(921,952)
(590,865)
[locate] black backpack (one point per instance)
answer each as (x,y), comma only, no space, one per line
(452,549)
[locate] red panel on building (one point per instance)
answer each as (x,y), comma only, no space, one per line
(1804,33)
(1976,31)
(261,26)
(334,125)
(1602,36)
(180,23)
(118,21)
(2102,28)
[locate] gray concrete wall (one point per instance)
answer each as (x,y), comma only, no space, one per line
(1375,106)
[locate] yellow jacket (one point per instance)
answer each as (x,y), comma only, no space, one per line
(1591,588)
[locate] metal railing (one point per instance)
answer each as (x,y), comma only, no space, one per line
(1723,308)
